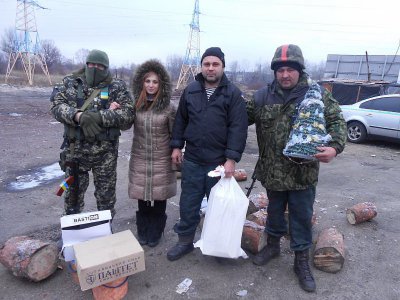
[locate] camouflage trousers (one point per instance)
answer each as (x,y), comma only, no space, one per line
(104,169)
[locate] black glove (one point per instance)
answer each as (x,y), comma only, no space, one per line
(90,123)
(96,117)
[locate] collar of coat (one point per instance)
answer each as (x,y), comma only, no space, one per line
(224,80)
(299,90)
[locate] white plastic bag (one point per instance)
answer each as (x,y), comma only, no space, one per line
(224,220)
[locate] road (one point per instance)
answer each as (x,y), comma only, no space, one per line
(30,139)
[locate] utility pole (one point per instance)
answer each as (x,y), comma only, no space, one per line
(191,62)
(368,72)
(26,44)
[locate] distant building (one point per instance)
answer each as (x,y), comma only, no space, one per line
(351,79)
(355,67)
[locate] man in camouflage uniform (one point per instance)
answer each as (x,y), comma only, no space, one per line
(93,108)
(290,182)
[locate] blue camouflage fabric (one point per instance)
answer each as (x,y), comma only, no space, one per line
(98,155)
(273,117)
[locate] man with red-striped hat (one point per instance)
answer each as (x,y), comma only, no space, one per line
(290,182)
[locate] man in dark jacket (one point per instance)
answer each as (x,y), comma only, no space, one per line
(211,123)
(290,182)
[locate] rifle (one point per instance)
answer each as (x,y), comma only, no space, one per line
(253,177)
(65,184)
(72,181)
(74,165)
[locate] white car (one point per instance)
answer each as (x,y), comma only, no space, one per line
(377,117)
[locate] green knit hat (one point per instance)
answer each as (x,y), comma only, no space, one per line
(288,55)
(98,57)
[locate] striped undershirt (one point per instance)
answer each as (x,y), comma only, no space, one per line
(210,91)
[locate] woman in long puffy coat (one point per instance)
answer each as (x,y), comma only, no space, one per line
(152,179)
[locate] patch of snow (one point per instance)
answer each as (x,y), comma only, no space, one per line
(44,175)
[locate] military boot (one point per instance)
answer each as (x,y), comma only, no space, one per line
(156,228)
(142,225)
(72,211)
(183,247)
(273,249)
(303,272)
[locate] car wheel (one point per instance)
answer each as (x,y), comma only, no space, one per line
(356,132)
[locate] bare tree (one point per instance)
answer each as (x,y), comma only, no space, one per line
(173,66)
(244,65)
(233,68)
(52,54)
(123,72)
(7,40)
(315,70)
(68,65)
(80,56)
(3,63)
(259,77)
(133,67)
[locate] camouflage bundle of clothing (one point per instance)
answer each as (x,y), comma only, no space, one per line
(273,117)
(308,131)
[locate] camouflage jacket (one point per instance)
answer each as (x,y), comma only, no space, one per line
(64,105)
(273,118)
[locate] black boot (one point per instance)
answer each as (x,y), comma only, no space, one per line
(303,272)
(183,247)
(156,228)
(273,249)
(72,211)
(142,225)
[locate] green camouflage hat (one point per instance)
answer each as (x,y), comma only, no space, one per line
(287,54)
(98,57)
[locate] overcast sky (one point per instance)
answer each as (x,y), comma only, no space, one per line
(248,31)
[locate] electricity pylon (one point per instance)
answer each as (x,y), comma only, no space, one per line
(191,62)
(26,44)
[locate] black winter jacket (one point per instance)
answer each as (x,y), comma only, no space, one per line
(215,129)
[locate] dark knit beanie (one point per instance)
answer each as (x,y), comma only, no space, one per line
(214,51)
(290,64)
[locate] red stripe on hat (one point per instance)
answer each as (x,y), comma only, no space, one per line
(284,52)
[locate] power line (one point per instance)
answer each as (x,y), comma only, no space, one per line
(394,58)
(191,63)
(124,8)
(26,43)
(286,21)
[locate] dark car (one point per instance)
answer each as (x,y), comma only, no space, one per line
(377,117)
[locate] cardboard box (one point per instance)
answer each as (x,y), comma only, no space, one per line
(108,258)
(83,227)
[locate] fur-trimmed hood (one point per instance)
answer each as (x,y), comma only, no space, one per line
(155,66)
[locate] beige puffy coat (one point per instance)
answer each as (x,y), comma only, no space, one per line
(150,167)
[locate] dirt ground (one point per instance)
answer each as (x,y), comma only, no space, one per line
(30,139)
